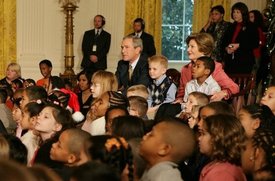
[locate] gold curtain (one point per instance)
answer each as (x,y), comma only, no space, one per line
(151,12)
(7,34)
(202,9)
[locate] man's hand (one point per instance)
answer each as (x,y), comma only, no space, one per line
(93,58)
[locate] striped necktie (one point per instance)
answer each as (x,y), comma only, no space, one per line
(130,71)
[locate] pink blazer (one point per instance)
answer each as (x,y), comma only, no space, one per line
(219,75)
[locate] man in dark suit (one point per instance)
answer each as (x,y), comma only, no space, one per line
(147,39)
(95,46)
(133,68)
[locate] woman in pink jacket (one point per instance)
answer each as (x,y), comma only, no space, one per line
(199,44)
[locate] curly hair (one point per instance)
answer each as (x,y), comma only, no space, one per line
(265,139)
(116,155)
(227,137)
(258,18)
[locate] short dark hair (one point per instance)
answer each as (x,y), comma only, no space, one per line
(88,75)
(220,107)
(115,108)
(128,127)
(141,21)
(18,151)
(208,63)
(3,95)
(95,171)
(46,62)
(36,92)
(218,8)
(244,11)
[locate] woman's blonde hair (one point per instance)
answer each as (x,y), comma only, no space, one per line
(15,67)
(106,79)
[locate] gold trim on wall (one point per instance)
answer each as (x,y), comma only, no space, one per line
(7,34)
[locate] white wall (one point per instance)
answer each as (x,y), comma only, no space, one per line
(41,32)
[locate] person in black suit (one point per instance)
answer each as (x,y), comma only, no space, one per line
(95,46)
(147,39)
(133,68)
(239,41)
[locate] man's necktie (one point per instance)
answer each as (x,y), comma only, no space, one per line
(130,71)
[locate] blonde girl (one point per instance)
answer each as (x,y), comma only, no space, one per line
(51,121)
(103,81)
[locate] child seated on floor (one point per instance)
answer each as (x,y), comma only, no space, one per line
(114,151)
(51,122)
(268,98)
(111,114)
(161,89)
(99,108)
(258,159)
(17,112)
(138,106)
(222,139)
(70,151)
(94,171)
(32,94)
(29,117)
(163,149)
(202,79)
(5,112)
(191,108)
(138,90)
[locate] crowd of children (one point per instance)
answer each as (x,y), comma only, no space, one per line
(131,135)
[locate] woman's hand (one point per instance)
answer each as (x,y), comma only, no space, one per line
(231,48)
(218,96)
(180,100)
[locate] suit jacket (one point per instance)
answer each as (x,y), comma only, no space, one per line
(148,44)
(102,42)
(243,59)
(140,74)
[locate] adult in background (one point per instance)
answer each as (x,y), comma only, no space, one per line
(95,46)
(147,39)
(199,44)
(216,26)
(13,72)
(133,68)
(239,41)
